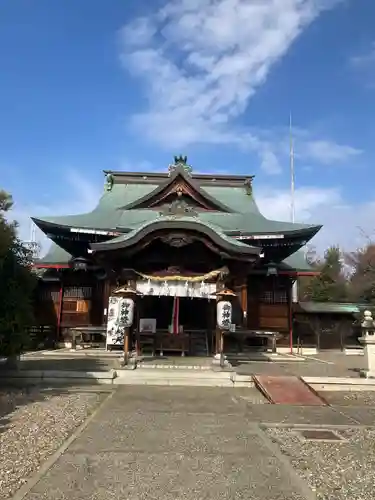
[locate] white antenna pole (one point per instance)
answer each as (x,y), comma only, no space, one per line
(292,176)
(292,201)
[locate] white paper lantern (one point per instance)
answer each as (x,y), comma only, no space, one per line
(224,314)
(126,312)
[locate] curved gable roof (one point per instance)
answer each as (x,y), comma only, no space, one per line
(178,173)
(172,223)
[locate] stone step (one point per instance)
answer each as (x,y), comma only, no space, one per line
(156,376)
(157,366)
(31,377)
(199,378)
(242,380)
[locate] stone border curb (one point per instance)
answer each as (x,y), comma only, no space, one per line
(50,376)
(339,383)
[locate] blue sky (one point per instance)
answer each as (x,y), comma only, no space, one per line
(92,85)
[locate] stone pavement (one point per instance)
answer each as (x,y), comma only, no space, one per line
(197,443)
(325,364)
(333,364)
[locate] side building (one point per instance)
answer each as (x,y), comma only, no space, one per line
(167,234)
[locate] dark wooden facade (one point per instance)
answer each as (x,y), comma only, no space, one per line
(326,325)
(80,299)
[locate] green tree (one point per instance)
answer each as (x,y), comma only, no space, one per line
(304,282)
(331,285)
(362,277)
(16,285)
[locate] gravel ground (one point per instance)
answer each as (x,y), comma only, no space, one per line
(33,424)
(350,398)
(337,470)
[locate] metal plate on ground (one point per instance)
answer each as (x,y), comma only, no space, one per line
(320,435)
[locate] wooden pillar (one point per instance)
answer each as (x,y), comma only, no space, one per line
(126,346)
(244,304)
(135,326)
(137,316)
(290,314)
(219,286)
(217,340)
(60,309)
(106,294)
(221,348)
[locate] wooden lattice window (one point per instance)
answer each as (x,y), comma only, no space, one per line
(74,292)
(77,300)
(273,292)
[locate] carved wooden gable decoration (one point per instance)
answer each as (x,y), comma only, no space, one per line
(180,187)
(180,190)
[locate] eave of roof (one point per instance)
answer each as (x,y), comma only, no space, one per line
(58,258)
(127,221)
(171,223)
(50,226)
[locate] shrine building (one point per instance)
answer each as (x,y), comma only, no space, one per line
(175,238)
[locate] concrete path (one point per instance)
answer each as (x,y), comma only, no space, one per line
(186,443)
(327,365)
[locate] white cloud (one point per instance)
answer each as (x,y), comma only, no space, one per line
(346,224)
(274,149)
(276,204)
(329,152)
(364,59)
(203,60)
(139,32)
(81,196)
(364,66)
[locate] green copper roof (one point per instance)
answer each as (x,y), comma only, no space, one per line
(55,256)
(297,262)
(106,215)
(109,215)
(173,223)
(329,307)
(234,197)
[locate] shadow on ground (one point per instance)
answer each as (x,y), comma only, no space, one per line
(17,393)
(334,365)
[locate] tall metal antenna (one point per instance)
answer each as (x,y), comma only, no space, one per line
(292,176)
(292,201)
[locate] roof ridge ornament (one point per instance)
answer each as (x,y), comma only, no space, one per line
(180,163)
(248,186)
(108,185)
